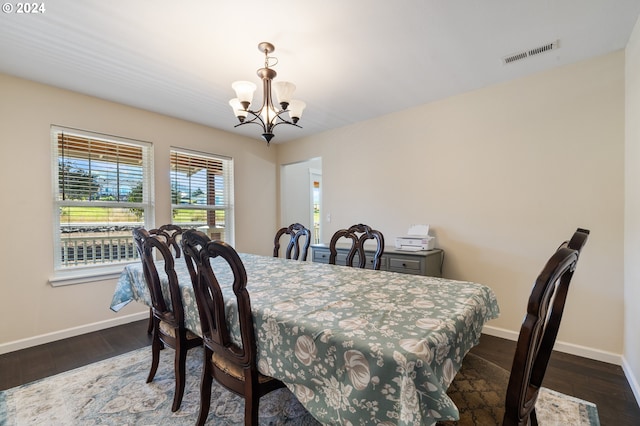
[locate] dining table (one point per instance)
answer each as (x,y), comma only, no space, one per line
(355,346)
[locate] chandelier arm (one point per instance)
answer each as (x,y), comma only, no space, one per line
(287,122)
(283,120)
(257,119)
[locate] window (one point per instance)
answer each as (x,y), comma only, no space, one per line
(202,193)
(102,190)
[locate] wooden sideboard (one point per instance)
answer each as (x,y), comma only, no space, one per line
(427,263)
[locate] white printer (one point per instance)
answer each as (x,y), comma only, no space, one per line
(417,239)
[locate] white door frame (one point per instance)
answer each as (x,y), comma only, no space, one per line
(315,175)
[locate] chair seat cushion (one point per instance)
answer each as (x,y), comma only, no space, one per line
(169,330)
(235,370)
(479,391)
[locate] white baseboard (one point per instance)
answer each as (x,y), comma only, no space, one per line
(569,348)
(70,332)
(633,383)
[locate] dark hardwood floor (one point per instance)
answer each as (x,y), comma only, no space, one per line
(27,365)
(601,383)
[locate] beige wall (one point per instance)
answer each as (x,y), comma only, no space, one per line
(502,175)
(632,212)
(33,310)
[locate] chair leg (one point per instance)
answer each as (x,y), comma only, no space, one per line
(533,417)
(251,410)
(179,367)
(156,346)
(250,403)
(205,388)
(150,325)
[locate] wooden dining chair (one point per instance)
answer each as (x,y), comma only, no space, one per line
(488,394)
(168,318)
(171,234)
(358,234)
(296,232)
(233,366)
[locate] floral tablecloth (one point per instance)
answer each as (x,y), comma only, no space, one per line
(355,346)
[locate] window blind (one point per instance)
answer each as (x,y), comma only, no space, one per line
(91,170)
(202,193)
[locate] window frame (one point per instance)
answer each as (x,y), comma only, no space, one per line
(74,274)
(229,188)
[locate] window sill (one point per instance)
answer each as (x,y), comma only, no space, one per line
(87,274)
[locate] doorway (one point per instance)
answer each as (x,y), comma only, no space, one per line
(301,195)
(315,188)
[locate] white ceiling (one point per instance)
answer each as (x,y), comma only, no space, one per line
(351,59)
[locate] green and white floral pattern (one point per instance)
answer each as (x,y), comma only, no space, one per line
(355,346)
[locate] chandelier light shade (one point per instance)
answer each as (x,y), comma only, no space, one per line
(284,110)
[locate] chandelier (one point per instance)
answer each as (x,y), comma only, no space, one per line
(268,115)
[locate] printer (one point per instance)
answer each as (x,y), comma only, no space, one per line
(417,239)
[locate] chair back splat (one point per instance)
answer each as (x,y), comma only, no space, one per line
(233,366)
(171,234)
(296,232)
(358,234)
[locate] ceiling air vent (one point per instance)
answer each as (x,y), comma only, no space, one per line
(531,52)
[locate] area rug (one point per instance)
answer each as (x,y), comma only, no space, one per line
(114,392)
(480,389)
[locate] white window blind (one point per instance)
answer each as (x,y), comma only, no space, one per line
(202,193)
(102,190)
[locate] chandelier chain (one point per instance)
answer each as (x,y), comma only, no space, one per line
(266,61)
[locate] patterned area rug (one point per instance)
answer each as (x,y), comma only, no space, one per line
(114,392)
